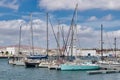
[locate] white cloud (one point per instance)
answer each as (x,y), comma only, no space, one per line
(12,24)
(107,24)
(83,4)
(57,4)
(12,4)
(92,18)
(88,36)
(108,17)
(9,32)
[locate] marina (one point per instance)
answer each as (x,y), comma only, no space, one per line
(79,65)
(20,72)
(59,40)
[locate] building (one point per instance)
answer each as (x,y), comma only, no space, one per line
(80,52)
(88,52)
(13,50)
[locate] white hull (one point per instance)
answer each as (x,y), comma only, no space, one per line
(44,65)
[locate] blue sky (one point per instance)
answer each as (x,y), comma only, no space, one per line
(91,14)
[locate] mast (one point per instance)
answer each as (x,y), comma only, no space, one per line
(47,34)
(31,33)
(63,39)
(58,38)
(72,32)
(101,42)
(115,45)
(19,39)
(76,31)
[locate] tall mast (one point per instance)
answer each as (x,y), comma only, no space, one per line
(19,39)
(31,33)
(47,34)
(76,30)
(101,42)
(72,33)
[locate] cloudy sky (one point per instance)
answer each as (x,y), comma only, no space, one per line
(90,15)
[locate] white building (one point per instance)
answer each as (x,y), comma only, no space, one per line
(80,52)
(11,50)
(24,49)
(89,52)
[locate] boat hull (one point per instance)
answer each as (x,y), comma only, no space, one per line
(78,67)
(19,63)
(31,64)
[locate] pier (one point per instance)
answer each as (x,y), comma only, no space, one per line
(103,71)
(110,67)
(106,69)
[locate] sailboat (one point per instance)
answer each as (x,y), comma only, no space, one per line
(107,62)
(74,64)
(33,60)
(79,66)
(18,59)
(45,63)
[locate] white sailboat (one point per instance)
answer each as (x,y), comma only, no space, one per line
(45,63)
(18,59)
(32,60)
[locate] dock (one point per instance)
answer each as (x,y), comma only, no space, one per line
(110,67)
(106,69)
(103,71)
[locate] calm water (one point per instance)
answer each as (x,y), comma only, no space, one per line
(9,72)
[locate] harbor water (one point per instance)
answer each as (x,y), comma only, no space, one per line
(10,72)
